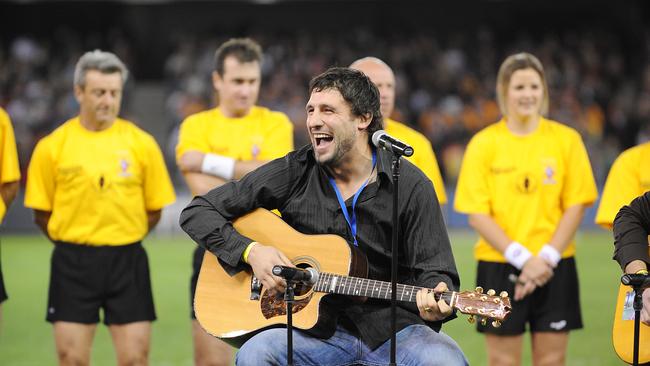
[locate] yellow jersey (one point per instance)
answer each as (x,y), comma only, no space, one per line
(98,185)
(525,183)
(628,178)
(423,158)
(260,135)
(10,169)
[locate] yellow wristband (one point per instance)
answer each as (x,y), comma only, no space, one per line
(642,272)
(244,255)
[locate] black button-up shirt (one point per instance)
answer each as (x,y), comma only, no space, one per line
(299,188)
(631,230)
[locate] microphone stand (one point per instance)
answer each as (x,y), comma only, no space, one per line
(393,263)
(637,305)
(288,299)
(398,148)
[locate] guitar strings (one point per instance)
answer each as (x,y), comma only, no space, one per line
(354,286)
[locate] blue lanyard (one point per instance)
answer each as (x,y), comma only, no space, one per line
(352,221)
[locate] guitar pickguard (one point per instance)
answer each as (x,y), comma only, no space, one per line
(272,306)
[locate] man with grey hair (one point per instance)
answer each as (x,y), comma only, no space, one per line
(383,77)
(97,185)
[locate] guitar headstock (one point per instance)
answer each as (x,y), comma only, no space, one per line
(483,305)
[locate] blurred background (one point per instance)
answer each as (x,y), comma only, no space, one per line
(445,56)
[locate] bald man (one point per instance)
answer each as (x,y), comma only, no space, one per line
(384,78)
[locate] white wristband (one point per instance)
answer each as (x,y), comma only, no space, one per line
(550,254)
(219,166)
(517,254)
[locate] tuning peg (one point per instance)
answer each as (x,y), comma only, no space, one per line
(496,323)
(483,321)
(471,319)
(491,292)
(479,289)
(504,294)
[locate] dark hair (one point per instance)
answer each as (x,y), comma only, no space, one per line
(244,50)
(357,90)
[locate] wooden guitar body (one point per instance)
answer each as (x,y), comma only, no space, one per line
(234,308)
(223,303)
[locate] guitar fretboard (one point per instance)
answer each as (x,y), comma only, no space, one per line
(357,286)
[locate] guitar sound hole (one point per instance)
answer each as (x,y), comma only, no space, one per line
(301,289)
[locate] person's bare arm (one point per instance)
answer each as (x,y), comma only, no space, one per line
(153,217)
(200,183)
(567,227)
(244,167)
(192,162)
(535,271)
(490,231)
(561,238)
(41,219)
(8,191)
(635,266)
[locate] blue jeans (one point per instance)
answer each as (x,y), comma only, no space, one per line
(417,345)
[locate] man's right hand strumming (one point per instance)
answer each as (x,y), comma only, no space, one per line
(262,258)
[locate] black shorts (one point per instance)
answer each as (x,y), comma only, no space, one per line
(85,279)
(3,291)
(197,260)
(555,307)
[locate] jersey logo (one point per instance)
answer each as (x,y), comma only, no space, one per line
(549,175)
(124,168)
(526,182)
(255,150)
(549,165)
(256,147)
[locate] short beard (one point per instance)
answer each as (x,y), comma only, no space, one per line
(342,148)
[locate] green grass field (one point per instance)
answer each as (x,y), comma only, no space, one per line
(26,339)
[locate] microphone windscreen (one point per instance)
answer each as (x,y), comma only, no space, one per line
(376,136)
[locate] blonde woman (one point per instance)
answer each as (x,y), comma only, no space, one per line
(525,182)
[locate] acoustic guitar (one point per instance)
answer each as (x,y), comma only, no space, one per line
(234,308)
(623,329)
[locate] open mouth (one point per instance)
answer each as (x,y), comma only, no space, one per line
(322,139)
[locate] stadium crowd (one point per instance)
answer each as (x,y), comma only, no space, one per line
(445,81)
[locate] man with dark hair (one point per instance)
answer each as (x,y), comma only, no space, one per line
(223,144)
(243,49)
(97,185)
(316,189)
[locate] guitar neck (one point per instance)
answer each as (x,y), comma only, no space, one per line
(357,286)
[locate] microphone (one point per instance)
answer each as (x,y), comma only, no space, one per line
(383,140)
(636,280)
(308,276)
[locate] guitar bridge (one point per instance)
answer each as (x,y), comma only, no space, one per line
(256,288)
